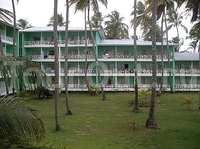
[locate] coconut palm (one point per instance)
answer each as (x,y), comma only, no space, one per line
(115,28)
(151,122)
(19,124)
(23,23)
(144,21)
(81,5)
(55,21)
(68,111)
(136,107)
(96,21)
(175,20)
(60,21)
(162,6)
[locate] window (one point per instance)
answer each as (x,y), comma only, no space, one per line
(36,52)
(146,66)
(145,80)
(181,66)
(36,38)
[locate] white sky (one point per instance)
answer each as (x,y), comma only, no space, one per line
(38,12)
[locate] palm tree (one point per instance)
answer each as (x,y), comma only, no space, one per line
(23,23)
(14,34)
(68,111)
(60,21)
(115,28)
(56,66)
(136,107)
(151,122)
(162,6)
(18,123)
(175,20)
(96,21)
(144,21)
(81,5)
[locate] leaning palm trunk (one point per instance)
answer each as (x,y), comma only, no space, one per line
(14,36)
(95,56)
(86,53)
(136,107)
(57,128)
(168,56)
(162,64)
(151,122)
(68,111)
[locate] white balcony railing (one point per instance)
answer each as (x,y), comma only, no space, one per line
(187,87)
(6,39)
(62,42)
(187,71)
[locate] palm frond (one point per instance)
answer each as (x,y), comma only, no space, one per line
(18,122)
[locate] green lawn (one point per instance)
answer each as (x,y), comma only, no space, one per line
(97,124)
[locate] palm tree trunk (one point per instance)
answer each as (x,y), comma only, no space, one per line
(168,56)
(57,128)
(136,107)
(162,63)
(14,36)
(86,54)
(151,122)
(95,56)
(68,111)
(3,68)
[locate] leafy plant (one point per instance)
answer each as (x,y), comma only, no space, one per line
(188,102)
(19,124)
(133,125)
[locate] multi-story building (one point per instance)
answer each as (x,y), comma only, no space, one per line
(115,60)
(6,43)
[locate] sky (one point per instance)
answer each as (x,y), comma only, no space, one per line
(39,12)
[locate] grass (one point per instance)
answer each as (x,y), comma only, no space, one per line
(97,124)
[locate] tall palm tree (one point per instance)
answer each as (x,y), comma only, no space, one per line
(136,107)
(60,21)
(81,5)
(144,21)
(68,111)
(57,128)
(14,27)
(151,122)
(86,51)
(23,23)
(162,6)
(18,123)
(175,20)
(14,35)
(115,28)
(96,21)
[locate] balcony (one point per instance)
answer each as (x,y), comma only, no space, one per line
(78,57)
(185,72)
(51,43)
(187,87)
(6,39)
(130,57)
(115,87)
(3,90)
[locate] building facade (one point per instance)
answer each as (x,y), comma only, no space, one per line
(116,61)
(6,44)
